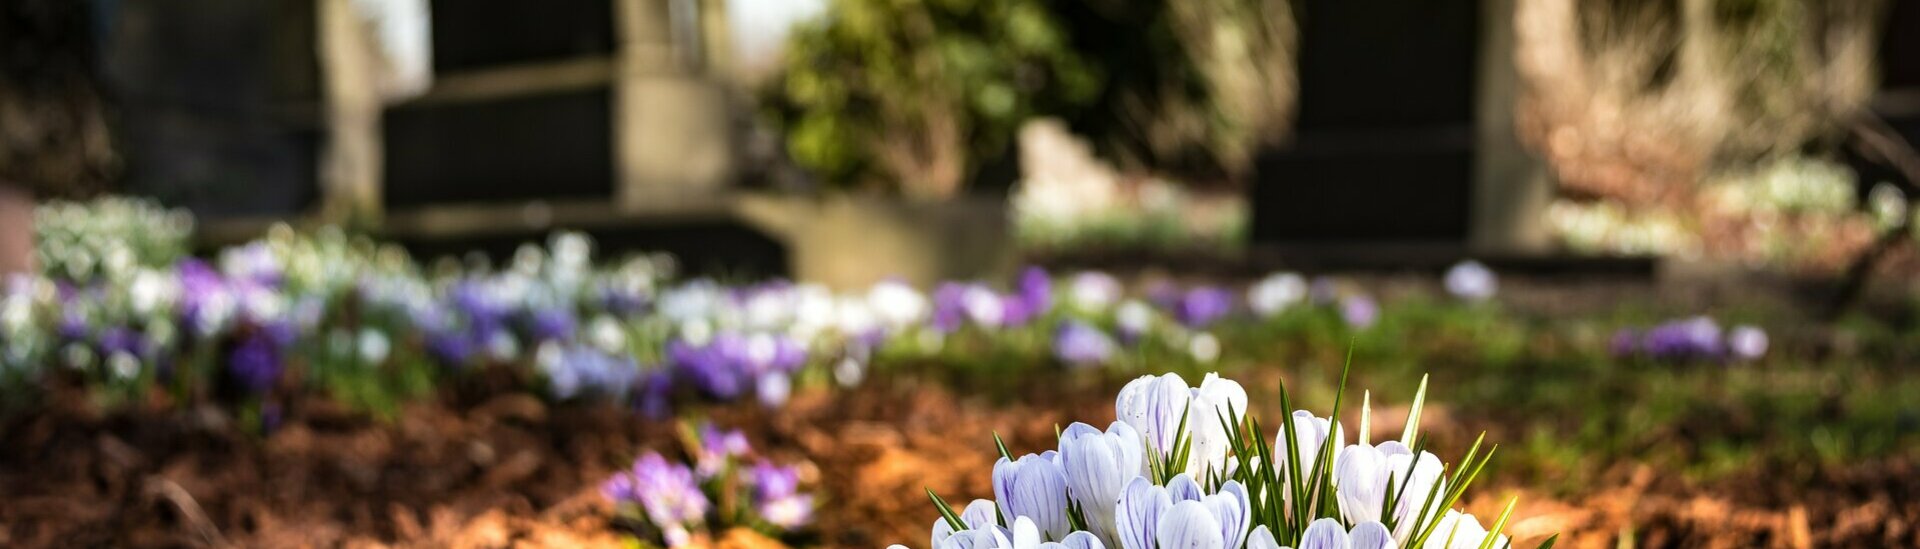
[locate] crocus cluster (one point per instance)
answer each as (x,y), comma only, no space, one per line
(726,485)
(1697,338)
(301,310)
(109,236)
(1185,467)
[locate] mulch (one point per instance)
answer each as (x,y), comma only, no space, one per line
(505,469)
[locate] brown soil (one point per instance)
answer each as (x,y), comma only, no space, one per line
(506,470)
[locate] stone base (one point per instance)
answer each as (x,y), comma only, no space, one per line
(851,242)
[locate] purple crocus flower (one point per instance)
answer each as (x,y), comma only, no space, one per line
(73,324)
(120,339)
(256,362)
(1080,344)
(1359,311)
(656,395)
(760,354)
(1696,338)
(552,324)
(707,367)
(578,369)
(666,493)
(777,497)
(206,303)
(985,307)
(1036,290)
(1691,338)
(623,303)
(1016,311)
(949,307)
(451,348)
(718,448)
(1201,306)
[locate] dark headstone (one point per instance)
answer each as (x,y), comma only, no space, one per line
(217,102)
(480,34)
(1383,146)
(524,148)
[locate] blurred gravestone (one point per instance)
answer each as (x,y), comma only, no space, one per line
(1899,97)
(217,101)
(1404,119)
(584,100)
(523,138)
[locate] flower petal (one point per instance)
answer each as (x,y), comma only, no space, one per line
(1137,520)
(1082,540)
(1231,508)
(1262,538)
(1325,533)
(1360,482)
(1184,488)
(1372,535)
(1189,525)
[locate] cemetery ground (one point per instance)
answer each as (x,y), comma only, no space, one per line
(1813,446)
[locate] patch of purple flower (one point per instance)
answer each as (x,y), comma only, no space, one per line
(256,362)
(777,497)
(574,370)
(1689,339)
(1077,343)
(1200,307)
(729,364)
(1359,311)
(664,492)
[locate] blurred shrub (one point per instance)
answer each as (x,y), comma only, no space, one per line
(1637,101)
(1795,213)
(108,237)
(917,95)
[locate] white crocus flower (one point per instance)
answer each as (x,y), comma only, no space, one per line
(855,317)
(374,346)
(1327,533)
(983,531)
(605,333)
(1309,433)
(897,304)
(979,516)
(1093,291)
(1155,406)
(1276,293)
(1363,473)
(1098,466)
(1180,515)
(1471,281)
(1034,487)
(152,291)
(1134,317)
(1216,403)
(1459,530)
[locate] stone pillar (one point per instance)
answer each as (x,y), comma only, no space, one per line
(16,230)
(671,126)
(1510,185)
(350,164)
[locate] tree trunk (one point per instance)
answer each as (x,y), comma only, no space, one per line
(16,230)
